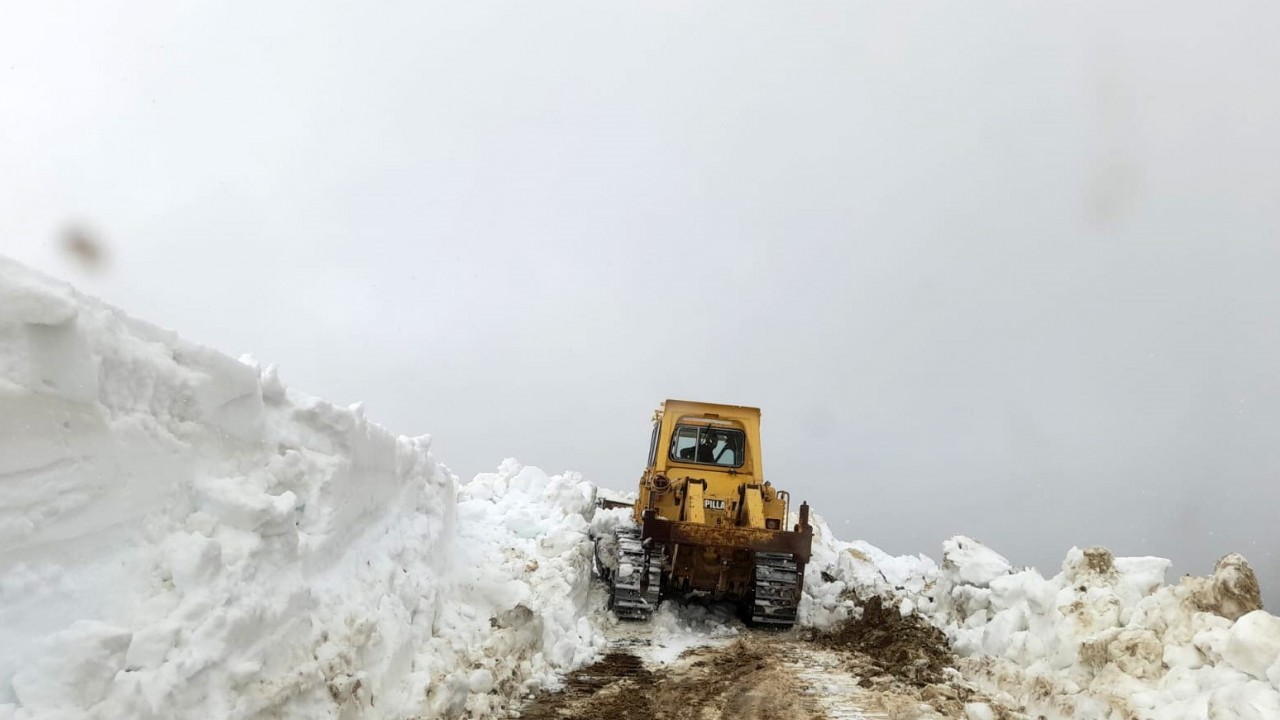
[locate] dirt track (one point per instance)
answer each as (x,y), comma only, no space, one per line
(759,676)
(740,681)
(735,682)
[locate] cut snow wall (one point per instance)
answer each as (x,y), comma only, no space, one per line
(183,537)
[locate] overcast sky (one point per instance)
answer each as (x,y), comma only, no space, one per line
(1002,269)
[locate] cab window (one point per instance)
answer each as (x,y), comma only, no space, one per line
(708,445)
(653,445)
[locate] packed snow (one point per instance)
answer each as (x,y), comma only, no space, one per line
(1107,638)
(184,536)
(1104,639)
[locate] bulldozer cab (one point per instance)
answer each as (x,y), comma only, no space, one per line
(701,437)
(708,445)
(702,459)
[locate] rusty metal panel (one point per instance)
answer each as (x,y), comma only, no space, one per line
(755,507)
(694,512)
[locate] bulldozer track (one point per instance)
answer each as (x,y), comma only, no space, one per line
(637,579)
(777,590)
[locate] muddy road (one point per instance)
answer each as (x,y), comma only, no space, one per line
(741,680)
(872,672)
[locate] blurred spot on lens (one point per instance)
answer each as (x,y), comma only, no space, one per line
(83,247)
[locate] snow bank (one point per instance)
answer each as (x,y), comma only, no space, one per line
(182,536)
(524,566)
(842,575)
(1106,638)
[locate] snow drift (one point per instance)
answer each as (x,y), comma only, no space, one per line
(182,536)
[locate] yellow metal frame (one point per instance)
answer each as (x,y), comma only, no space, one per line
(713,517)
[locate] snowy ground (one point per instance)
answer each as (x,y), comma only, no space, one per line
(184,536)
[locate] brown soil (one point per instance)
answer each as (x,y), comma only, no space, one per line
(1100,560)
(767,677)
(614,687)
(740,682)
(1231,591)
(907,648)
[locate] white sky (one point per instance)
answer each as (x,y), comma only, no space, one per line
(996,268)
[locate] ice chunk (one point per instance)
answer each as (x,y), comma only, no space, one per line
(1232,591)
(481,681)
(965,560)
(150,645)
(1253,644)
(192,559)
(978,711)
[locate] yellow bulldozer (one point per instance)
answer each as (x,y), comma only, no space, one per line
(706,522)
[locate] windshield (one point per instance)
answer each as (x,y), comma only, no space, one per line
(708,445)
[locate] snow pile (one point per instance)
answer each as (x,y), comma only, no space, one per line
(182,536)
(603,524)
(678,626)
(524,558)
(842,575)
(1106,638)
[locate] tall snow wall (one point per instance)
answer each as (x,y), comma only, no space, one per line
(181,536)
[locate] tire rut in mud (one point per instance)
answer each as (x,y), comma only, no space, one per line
(615,687)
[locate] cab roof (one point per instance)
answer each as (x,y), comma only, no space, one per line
(690,407)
